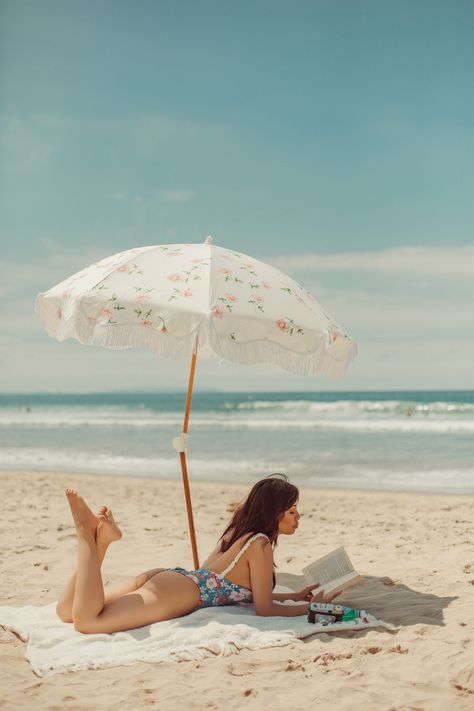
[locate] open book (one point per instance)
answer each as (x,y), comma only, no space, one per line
(333,572)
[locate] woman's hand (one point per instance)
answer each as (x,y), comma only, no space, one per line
(321,597)
(306,594)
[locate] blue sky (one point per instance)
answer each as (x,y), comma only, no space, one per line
(334,138)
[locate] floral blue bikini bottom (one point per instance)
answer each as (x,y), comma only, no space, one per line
(214,589)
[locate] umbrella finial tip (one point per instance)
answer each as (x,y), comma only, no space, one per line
(209,240)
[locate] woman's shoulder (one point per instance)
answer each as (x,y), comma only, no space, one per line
(260,537)
(249,540)
(257,541)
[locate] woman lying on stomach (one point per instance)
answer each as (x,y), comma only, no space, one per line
(240,569)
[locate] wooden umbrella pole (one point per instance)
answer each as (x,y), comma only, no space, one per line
(182,456)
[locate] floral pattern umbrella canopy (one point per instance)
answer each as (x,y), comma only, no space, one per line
(169,297)
(184,298)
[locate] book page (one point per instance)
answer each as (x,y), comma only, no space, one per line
(329,568)
(341,583)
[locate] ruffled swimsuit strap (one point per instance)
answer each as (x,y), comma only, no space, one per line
(242,551)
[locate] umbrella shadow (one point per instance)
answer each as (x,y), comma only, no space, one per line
(388,600)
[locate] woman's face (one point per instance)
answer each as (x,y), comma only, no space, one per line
(288,523)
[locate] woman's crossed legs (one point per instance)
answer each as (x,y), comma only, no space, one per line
(106,533)
(142,600)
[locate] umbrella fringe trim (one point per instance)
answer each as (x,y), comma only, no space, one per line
(322,360)
(118,337)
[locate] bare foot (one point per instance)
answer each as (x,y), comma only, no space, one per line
(83,517)
(107,530)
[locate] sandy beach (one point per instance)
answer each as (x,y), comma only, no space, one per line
(415,551)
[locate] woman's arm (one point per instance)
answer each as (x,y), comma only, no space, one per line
(261,577)
(281,597)
(306,595)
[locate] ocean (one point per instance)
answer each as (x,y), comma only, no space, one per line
(410,441)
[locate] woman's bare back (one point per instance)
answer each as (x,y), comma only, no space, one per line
(219,561)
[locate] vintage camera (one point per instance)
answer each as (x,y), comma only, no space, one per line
(324,613)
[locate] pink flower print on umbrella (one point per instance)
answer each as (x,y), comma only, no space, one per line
(228,301)
(287,325)
(134,269)
(163,328)
(174,253)
(145,314)
(176,277)
(142,298)
(266,285)
(106,313)
(218,311)
(190,274)
(257,301)
(249,268)
(146,322)
(123,268)
(176,293)
(116,304)
(229,276)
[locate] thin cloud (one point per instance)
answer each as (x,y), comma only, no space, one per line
(393,318)
(179,196)
(57,264)
(434,261)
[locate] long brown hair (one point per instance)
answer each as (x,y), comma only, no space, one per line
(261,511)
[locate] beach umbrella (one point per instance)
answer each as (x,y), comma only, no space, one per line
(185,299)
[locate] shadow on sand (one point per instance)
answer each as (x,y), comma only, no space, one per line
(389,601)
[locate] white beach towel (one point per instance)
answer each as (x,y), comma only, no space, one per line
(54,646)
